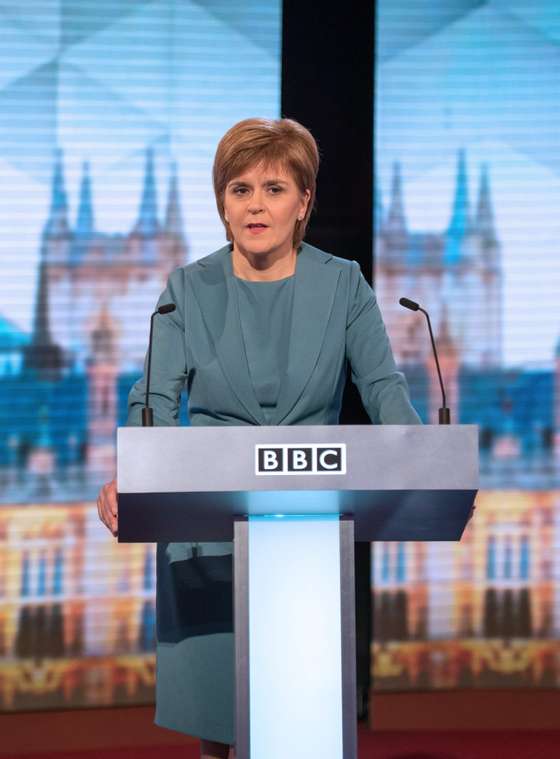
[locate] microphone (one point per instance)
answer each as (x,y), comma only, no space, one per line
(444,414)
(147,412)
(409,304)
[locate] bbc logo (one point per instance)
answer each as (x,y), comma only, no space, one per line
(307,458)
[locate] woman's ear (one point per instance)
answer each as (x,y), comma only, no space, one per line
(306,196)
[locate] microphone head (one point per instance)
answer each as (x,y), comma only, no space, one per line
(409,304)
(167,308)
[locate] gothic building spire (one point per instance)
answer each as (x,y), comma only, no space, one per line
(175,246)
(42,355)
(396,222)
(147,224)
(57,223)
(173,215)
(484,211)
(459,225)
(85,223)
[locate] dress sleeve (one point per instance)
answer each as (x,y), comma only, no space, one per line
(383,389)
(169,366)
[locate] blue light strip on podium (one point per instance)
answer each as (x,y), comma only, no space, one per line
(295,678)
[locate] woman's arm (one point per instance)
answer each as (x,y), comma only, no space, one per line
(383,389)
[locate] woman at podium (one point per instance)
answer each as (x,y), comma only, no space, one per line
(261,335)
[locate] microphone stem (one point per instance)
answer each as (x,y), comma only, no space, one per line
(147,414)
(435,355)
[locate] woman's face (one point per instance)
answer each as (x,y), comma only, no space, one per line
(261,207)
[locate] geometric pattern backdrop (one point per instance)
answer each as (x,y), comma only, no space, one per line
(468,182)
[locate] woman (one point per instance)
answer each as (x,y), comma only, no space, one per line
(262,333)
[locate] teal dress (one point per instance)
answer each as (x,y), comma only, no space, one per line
(249,353)
(265,314)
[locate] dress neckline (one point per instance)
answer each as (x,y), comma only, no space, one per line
(263,281)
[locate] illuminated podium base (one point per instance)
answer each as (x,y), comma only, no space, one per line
(295,637)
(294,550)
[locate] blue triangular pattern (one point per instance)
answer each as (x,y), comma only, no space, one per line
(80,20)
(243,17)
(422,21)
(28,120)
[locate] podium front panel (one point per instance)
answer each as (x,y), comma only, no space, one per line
(396,482)
(363,457)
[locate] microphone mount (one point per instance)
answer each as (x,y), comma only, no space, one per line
(444,414)
(147,411)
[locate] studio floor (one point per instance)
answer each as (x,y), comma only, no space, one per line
(473,725)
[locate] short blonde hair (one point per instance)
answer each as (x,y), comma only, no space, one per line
(267,141)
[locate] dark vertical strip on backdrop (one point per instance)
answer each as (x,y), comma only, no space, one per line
(327,85)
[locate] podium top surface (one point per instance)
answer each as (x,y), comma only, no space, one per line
(360,457)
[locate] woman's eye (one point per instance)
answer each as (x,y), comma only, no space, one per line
(240,191)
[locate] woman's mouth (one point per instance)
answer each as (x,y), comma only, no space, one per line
(256,229)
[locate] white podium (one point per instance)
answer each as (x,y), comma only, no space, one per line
(294,499)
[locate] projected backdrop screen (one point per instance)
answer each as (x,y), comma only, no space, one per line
(467,153)
(110,113)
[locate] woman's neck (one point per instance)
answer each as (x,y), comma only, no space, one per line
(263,266)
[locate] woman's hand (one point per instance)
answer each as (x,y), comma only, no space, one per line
(107,506)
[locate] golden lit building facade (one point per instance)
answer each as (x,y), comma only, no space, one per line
(77,610)
(490,603)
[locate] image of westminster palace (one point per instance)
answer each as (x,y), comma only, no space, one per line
(77,609)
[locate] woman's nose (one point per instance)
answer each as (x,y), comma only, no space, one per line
(256,202)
